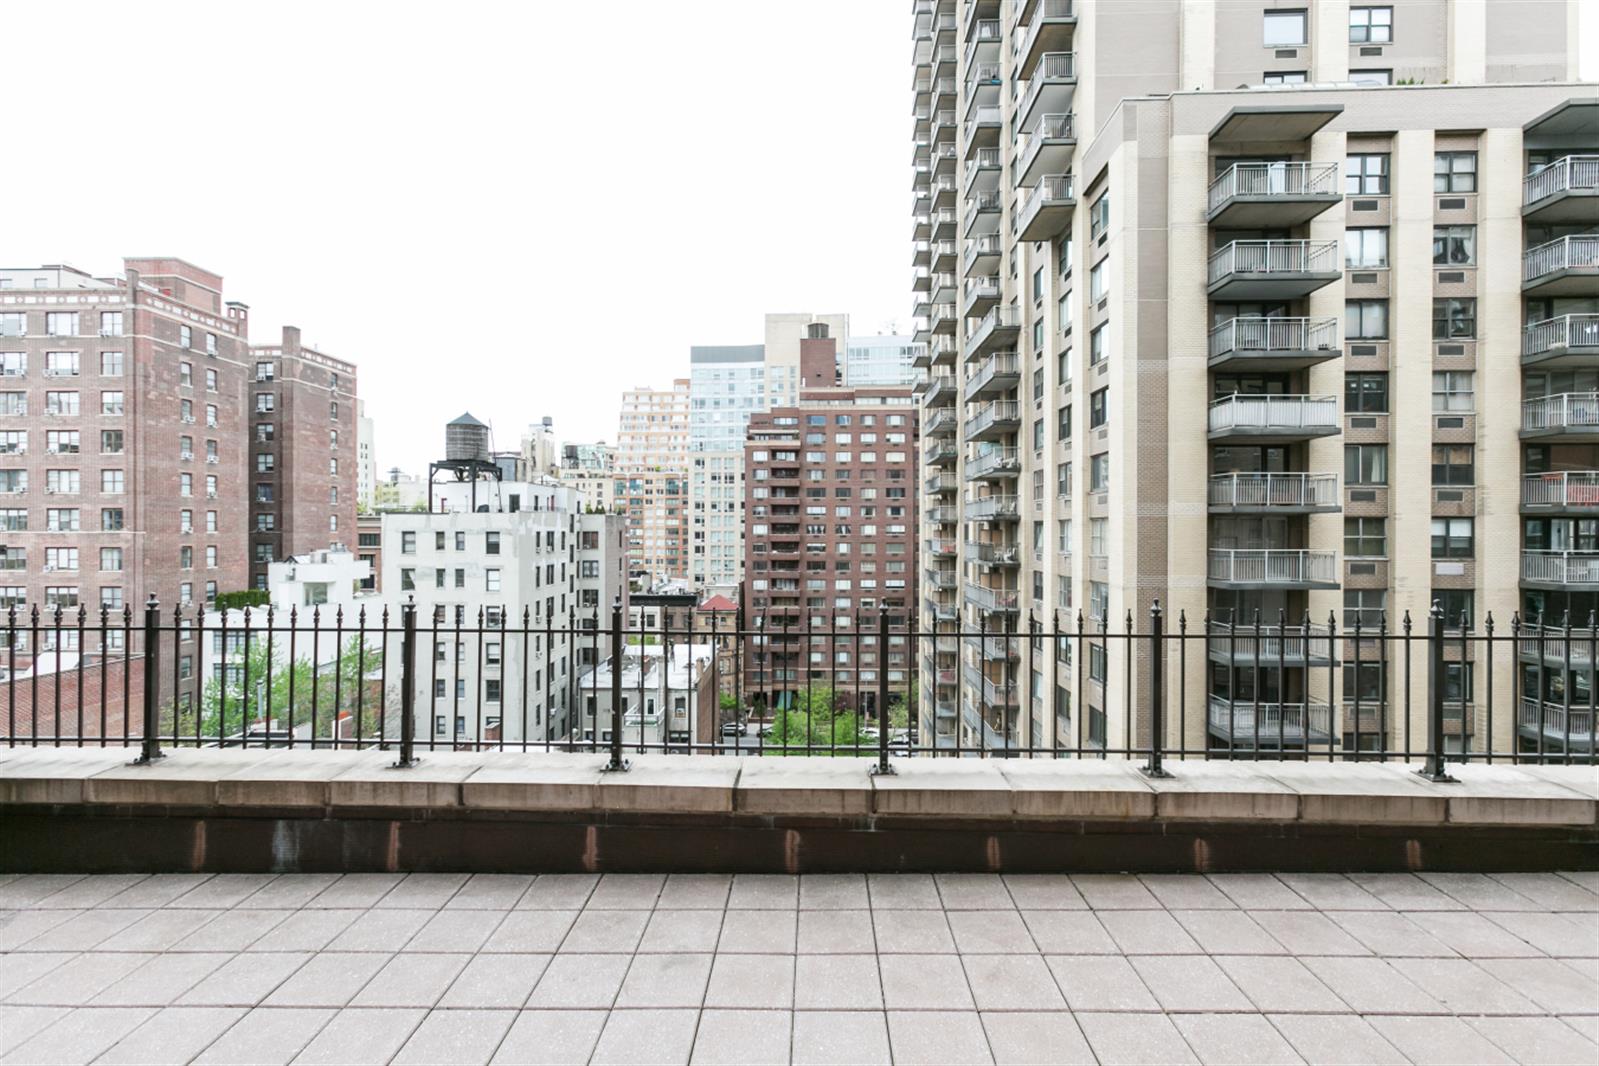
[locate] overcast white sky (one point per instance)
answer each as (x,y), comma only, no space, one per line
(516,209)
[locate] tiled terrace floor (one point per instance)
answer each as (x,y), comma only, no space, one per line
(913,968)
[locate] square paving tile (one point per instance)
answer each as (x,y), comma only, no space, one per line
(456,1037)
(538,931)
(233,930)
(765,932)
(1332,892)
(973,892)
(1134,1038)
(1011,982)
(1563,987)
(1437,1041)
(939,1037)
(1044,892)
(764,892)
(1335,1038)
(646,1036)
(1101,983)
(852,982)
(1069,933)
(1229,932)
(1472,935)
(1188,983)
(752,981)
(558,892)
(606,931)
(551,1036)
(161,980)
(737,1037)
(1552,934)
(923,982)
(665,981)
(1228,1038)
(175,1034)
(1036,1038)
(330,979)
(979,932)
(1372,986)
(580,982)
(360,1035)
(682,930)
(1536,1040)
(1114,892)
(840,1038)
(496,981)
(695,892)
(381,930)
(426,891)
(1147,933)
(1311,933)
(921,932)
(267,1035)
(835,932)
(626,892)
(1463,987)
(80,1036)
(1390,933)
(833,892)
(492,892)
(899,892)
(356,890)
(20,971)
(1279,984)
(412,981)
(1259,892)
(76,982)
(1185,892)
(302,930)
(1551,891)
(247,980)
(456,930)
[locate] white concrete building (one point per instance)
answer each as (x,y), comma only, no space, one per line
(366,464)
(881,361)
(667,696)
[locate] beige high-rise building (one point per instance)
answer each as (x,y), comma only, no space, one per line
(652,481)
(1260,309)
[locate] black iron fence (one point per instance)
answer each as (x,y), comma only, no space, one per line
(416,680)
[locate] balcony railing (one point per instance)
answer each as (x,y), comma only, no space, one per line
(1570,726)
(941,546)
(1274,257)
(994,554)
(995,461)
(1053,127)
(986,508)
(1289,491)
(1560,567)
(1557,335)
(994,649)
(1052,67)
(1275,179)
(1558,644)
(1244,720)
(1273,566)
(1003,692)
(1002,366)
(1001,323)
(1568,488)
(980,247)
(1561,411)
(942,579)
(993,600)
(1268,645)
(938,389)
(1267,335)
(999,415)
(1577,252)
(942,515)
(1265,414)
(1572,173)
(941,421)
(940,483)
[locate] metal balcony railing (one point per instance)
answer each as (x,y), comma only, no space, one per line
(1272,566)
(1574,724)
(994,461)
(1567,488)
(1254,334)
(938,389)
(981,509)
(941,421)
(1561,567)
(1571,173)
(1005,318)
(1274,257)
(1565,645)
(942,515)
(1558,334)
(1244,719)
(1055,127)
(942,579)
(990,415)
(995,365)
(941,546)
(1274,179)
(940,483)
(1576,252)
(1290,490)
(1562,410)
(1001,693)
(994,649)
(986,245)
(1269,644)
(1267,413)
(994,554)
(982,288)
(1050,190)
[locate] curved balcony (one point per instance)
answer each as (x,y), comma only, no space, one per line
(1255,343)
(1046,149)
(1006,556)
(998,329)
(1575,491)
(997,508)
(1265,419)
(1047,211)
(1051,25)
(995,464)
(1566,190)
(1288,493)
(1273,195)
(1273,568)
(1273,270)
(982,293)
(1050,88)
(999,373)
(1560,569)
(1569,340)
(1565,266)
(1566,415)
(1560,727)
(1266,646)
(991,421)
(1268,725)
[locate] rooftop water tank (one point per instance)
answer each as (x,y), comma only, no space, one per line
(466,439)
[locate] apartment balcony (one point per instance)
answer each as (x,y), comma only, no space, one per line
(983,125)
(1569,340)
(997,374)
(921,254)
(941,423)
(940,675)
(1271,419)
(1273,270)
(942,256)
(944,61)
(1273,568)
(982,213)
(982,293)
(1273,195)
(1246,723)
(945,91)
(945,156)
(1001,649)
(1557,646)
(1276,493)
(1572,416)
(942,579)
(921,280)
(941,351)
(944,318)
(1560,569)
(940,452)
(998,329)
(994,555)
(984,171)
(991,421)
(982,254)
(1051,24)
(1047,211)
(1246,644)
(1045,149)
(943,192)
(942,224)
(1557,727)
(941,547)
(942,608)
(1049,90)
(1565,266)
(941,483)
(1255,343)
(1568,491)
(942,515)
(938,390)
(1564,191)
(1000,507)
(995,464)
(1003,691)
(943,288)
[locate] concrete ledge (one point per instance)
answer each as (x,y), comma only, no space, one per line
(1094,789)
(671,784)
(435,781)
(947,788)
(802,787)
(185,778)
(54,775)
(1216,791)
(1505,795)
(1361,793)
(513,781)
(288,778)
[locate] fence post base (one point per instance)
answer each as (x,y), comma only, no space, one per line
(1437,775)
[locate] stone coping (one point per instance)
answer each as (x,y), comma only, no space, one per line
(1340,793)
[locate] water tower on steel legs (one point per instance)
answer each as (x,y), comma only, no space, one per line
(466,456)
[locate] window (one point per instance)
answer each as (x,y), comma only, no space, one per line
(1283,29)
(1098,408)
(1364,608)
(1371,25)
(1099,280)
(1454,245)
(1365,464)
(211,415)
(110,519)
(13,364)
(1099,472)
(186,375)
(1366,248)
(1365,319)
(1457,606)
(110,559)
(1038,334)
(210,344)
(1038,284)
(264,371)
(61,364)
(111,442)
(1096,346)
(1366,174)
(1366,538)
(112,482)
(265,401)
(111,403)
(62,519)
(185,337)
(1454,172)
(110,364)
(1063,425)
(1454,318)
(408,542)
(61,323)
(1451,390)
(61,403)
(110,323)
(1283,77)
(1451,538)
(1453,464)
(1099,217)
(491,581)
(1372,76)
(210,380)
(13,324)
(1366,393)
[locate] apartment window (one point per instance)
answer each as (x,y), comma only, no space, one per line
(491,580)
(1458,606)
(1099,217)
(13,364)
(62,519)
(1454,318)
(61,323)
(210,521)
(1098,408)
(1096,346)
(111,442)
(110,364)
(265,401)
(1365,319)
(1372,76)
(1364,608)
(1452,538)
(1454,245)
(1283,29)
(211,415)
(1283,77)
(112,482)
(186,410)
(1038,384)
(1366,538)
(1063,425)
(61,403)
(111,403)
(61,364)
(1454,172)
(110,323)
(210,381)
(110,559)
(1063,479)
(62,481)
(61,441)
(1038,334)
(1366,174)
(1365,464)
(210,344)
(1063,313)
(1366,248)
(1038,284)
(1452,391)
(185,521)
(13,324)
(185,337)
(61,558)
(14,519)
(186,374)
(1453,464)
(1099,472)
(211,486)
(186,558)
(264,371)
(1371,25)
(1099,280)
(110,519)
(1366,393)
(1099,607)
(408,542)
(13,403)
(1063,260)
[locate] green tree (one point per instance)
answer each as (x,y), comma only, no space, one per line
(815,724)
(259,688)
(901,706)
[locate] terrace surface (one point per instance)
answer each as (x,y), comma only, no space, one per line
(901,968)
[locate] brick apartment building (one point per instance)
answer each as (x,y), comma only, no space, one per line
(830,499)
(303,443)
